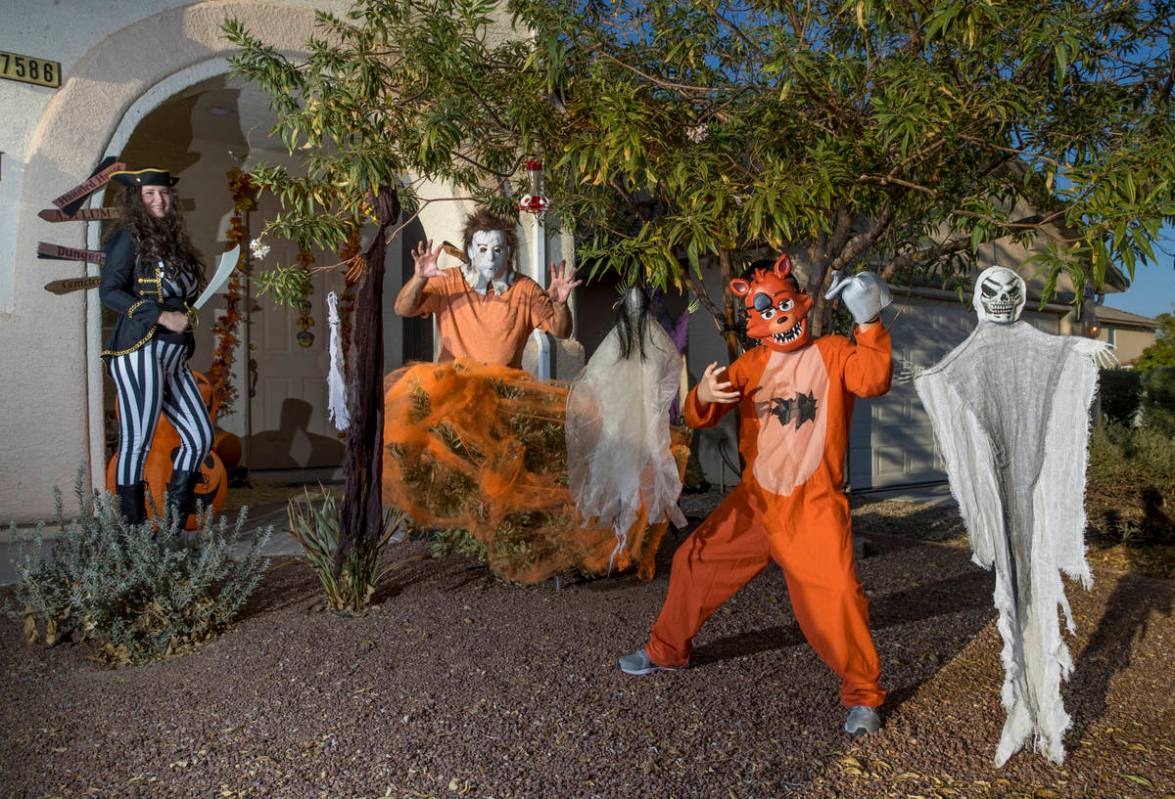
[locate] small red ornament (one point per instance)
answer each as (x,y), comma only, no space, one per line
(535,202)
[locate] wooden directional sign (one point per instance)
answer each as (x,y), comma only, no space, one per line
(84,215)
(72,284)
(58,253)
(73,199)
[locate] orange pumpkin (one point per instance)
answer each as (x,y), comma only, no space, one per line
(213,486)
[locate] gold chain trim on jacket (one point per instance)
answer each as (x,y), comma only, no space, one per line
(133,347)
(131,311)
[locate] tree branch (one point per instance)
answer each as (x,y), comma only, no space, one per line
(909,259)
(881,180)
(863,241)
(664,84)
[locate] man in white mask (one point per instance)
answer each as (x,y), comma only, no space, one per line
(486,310)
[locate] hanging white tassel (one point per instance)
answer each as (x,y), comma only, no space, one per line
(336,385)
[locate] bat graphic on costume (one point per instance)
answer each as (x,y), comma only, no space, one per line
(802,406)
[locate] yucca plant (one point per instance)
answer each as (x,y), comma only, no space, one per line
(314,524)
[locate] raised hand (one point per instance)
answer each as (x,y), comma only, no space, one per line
(424,260)
(864,294)
(711,389)
(562,282)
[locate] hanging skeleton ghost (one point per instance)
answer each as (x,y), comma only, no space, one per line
(617,428)
(1010,412)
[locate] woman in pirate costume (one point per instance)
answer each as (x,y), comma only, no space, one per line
(151,273)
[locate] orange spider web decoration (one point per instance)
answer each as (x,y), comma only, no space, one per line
(480,448)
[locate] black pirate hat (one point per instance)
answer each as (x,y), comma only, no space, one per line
(144,177)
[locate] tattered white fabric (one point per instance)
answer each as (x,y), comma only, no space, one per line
(617,431)
(1010,409)
(336,385)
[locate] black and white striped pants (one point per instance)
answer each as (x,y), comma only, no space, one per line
(157,377)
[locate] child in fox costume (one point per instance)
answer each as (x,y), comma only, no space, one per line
(795,398)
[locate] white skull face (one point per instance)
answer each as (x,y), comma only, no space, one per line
(1000,295)
(488,253)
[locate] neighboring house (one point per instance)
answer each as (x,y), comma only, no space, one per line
(1130,333)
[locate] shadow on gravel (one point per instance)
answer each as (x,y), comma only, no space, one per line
(1134,602)
(967,592)
(288,581)
(451,573)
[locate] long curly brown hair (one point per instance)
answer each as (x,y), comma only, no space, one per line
(163,239)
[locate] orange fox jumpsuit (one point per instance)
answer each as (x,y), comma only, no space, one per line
(789,507)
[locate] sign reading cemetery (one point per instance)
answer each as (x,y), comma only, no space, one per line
(27,69)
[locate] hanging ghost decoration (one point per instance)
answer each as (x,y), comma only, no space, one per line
(617,427)
(1000,295)
(1010,410)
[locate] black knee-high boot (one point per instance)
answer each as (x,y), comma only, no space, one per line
(132,500)
(181,494)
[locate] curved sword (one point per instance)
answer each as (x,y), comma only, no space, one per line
(228,262)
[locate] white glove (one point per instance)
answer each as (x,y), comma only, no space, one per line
(864,294)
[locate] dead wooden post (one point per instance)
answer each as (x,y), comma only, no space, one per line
(362,511)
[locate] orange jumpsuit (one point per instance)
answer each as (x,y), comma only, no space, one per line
(789,507)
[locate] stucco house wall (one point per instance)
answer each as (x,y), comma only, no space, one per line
(120,59)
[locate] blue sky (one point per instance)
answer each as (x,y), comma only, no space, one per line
(1153,290)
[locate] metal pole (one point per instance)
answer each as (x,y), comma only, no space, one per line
(538,266)
(245,391)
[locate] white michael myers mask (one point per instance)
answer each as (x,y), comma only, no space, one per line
(489,253)
(1000,295)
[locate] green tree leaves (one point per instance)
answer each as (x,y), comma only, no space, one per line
(903,138)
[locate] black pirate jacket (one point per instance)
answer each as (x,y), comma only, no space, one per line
(133,289)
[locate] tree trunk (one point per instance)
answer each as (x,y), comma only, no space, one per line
(362,510)
(727,268)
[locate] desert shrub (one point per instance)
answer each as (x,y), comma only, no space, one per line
(138,592)
(314,524)
(1130,485)
(1158,387)
(443,543)
(1121,394)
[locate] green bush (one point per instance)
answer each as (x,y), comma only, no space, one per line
(1158,387)
(314,524)
(1130,485)
(1120,391)
(137,593)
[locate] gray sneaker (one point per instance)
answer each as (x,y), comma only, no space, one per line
(862,720)
(638,663)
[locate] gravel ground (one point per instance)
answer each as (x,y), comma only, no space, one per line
(459,685)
